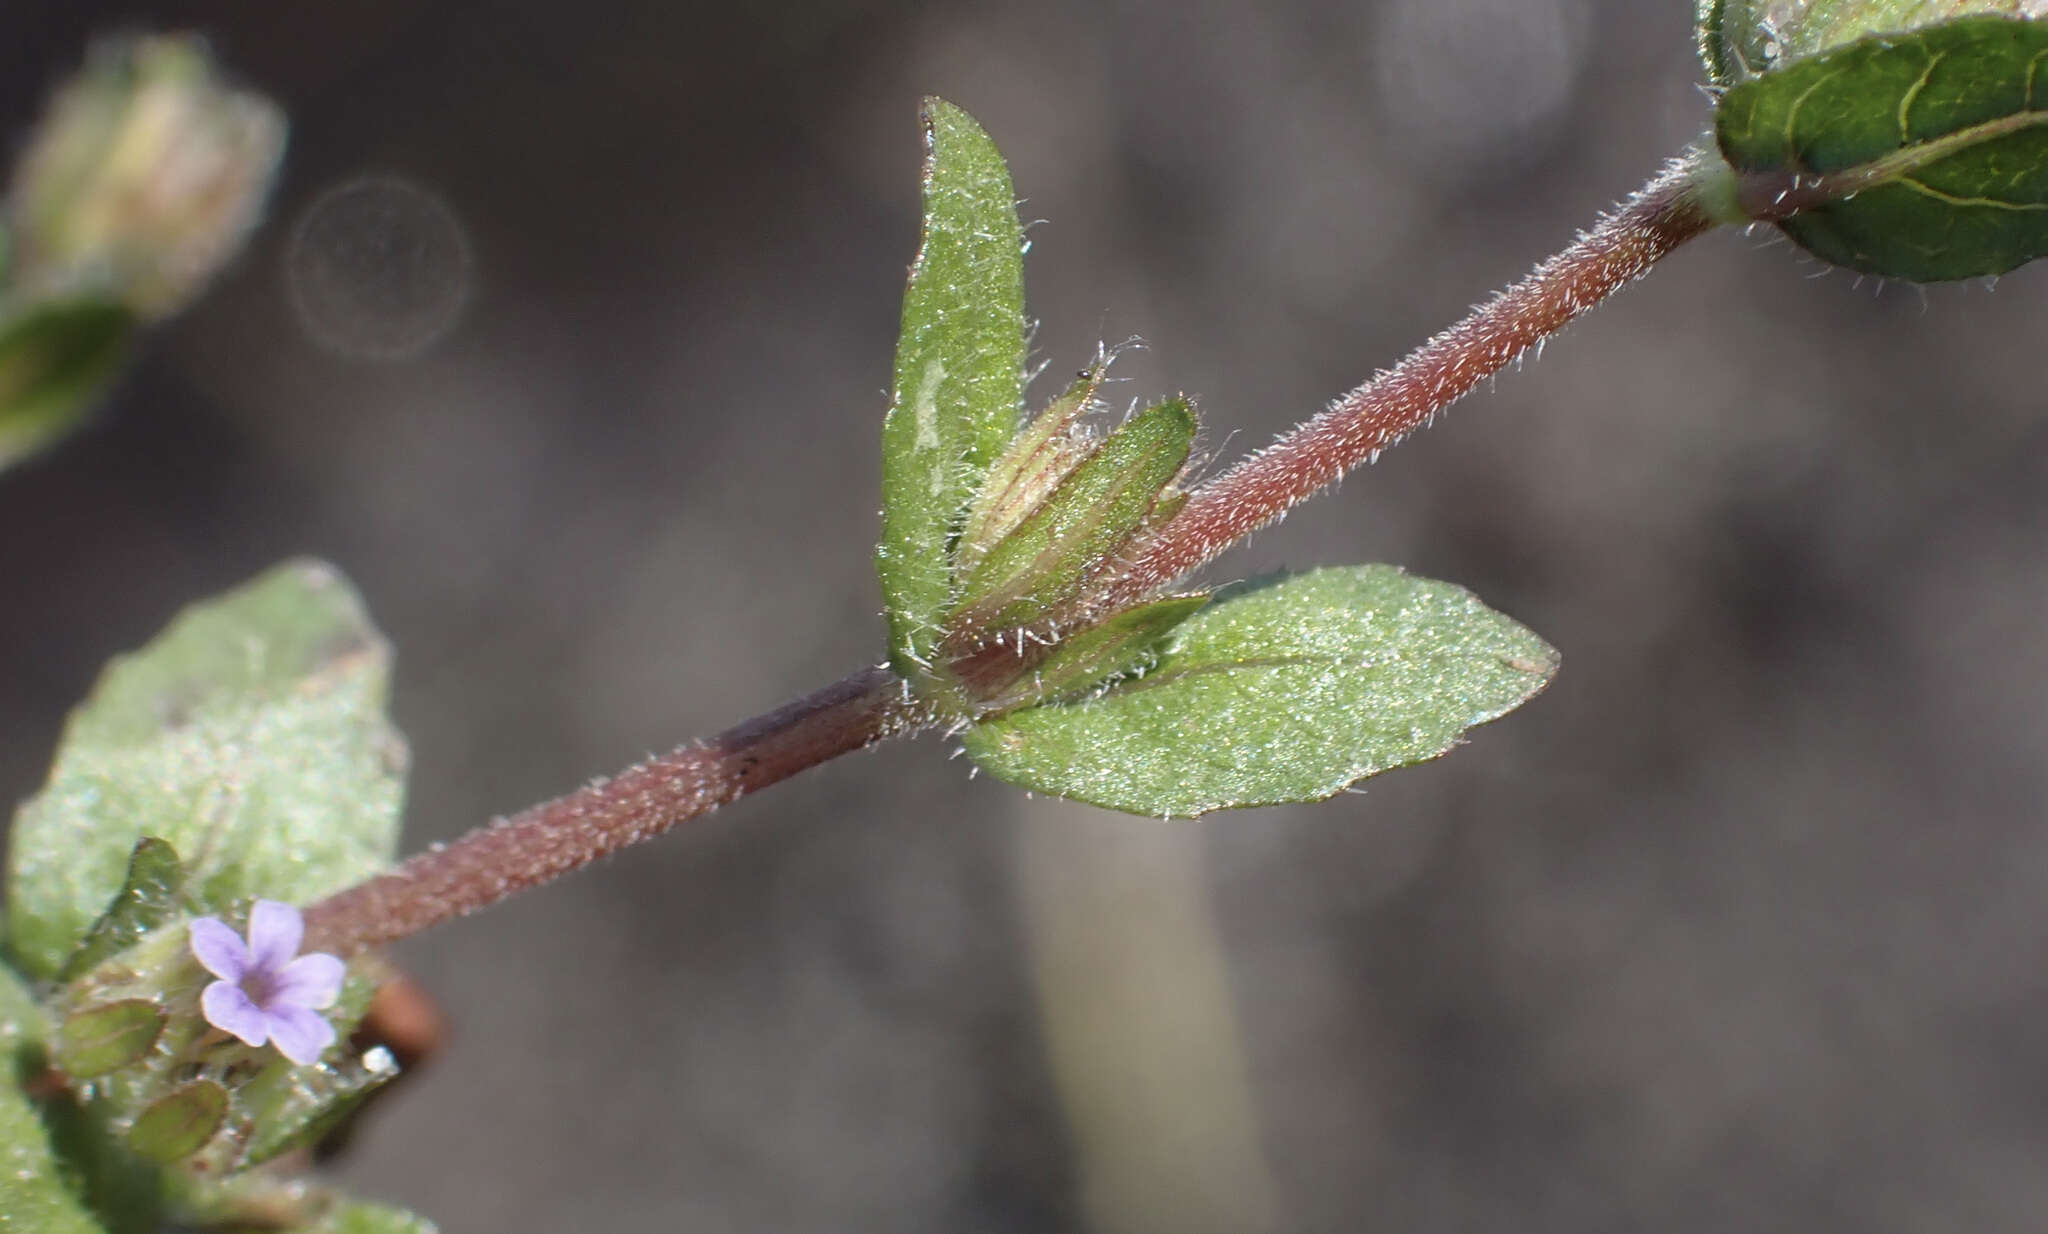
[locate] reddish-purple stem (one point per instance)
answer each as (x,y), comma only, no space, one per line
(548,840)
(1663,215)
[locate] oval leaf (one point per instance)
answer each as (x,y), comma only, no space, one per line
(959,375)
(1284,691)
(179,1123)
(1938,141)
(250,735)
(108,1037)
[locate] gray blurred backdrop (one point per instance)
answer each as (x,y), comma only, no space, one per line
(1738,927)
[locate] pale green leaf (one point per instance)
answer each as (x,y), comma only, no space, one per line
(1283,691)
(250,735)
(360,1218)
(959,375)
(33,1194)
(1938,139)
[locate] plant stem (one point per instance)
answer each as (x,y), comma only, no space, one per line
(552,839)
(546,841)
(1663,215)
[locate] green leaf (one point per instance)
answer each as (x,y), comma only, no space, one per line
(33,1194)
(359,1218)
(1938,140)
(1285,691)
(179,1123)
(959,375)
(108,1037)
(55,362)
(1083,521)
(250,735)
(292,1105)
(148,898)
(23,1025)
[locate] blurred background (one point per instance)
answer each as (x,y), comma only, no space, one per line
(568,339)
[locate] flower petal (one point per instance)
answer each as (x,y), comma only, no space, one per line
(275,929)
(216,946)
(299,1034)
(230,1010)
(313,980)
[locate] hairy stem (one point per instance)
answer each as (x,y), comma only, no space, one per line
(552,839)
(1663,215)
(549,840)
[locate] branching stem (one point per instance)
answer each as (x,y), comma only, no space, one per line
(552,839)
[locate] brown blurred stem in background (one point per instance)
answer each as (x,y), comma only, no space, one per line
(552,839)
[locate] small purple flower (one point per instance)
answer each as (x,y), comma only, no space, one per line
(263,993)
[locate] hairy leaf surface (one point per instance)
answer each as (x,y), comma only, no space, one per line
(250,736)
(1284,691)
(959,375)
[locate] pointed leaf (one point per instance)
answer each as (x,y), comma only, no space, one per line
(1285,691)
(33,1194)
(148,898)
(1939,139)
(959,374)
(1044,562)
(250,735)
(56,360)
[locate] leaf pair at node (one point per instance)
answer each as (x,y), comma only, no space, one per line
(1000,546)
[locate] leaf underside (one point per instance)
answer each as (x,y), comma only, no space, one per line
(1949,127)
(959,375)
(1285,691)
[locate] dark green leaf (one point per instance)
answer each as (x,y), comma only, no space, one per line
(105,1038)
(1082,522)
(1284,691)
(148,898)
(250,735)
(1938,138)
(959,375)
(179,1123)
(33,1195)
(55,361)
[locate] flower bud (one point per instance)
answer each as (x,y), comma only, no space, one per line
(143,178)
(1742,38)
(1077,530)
